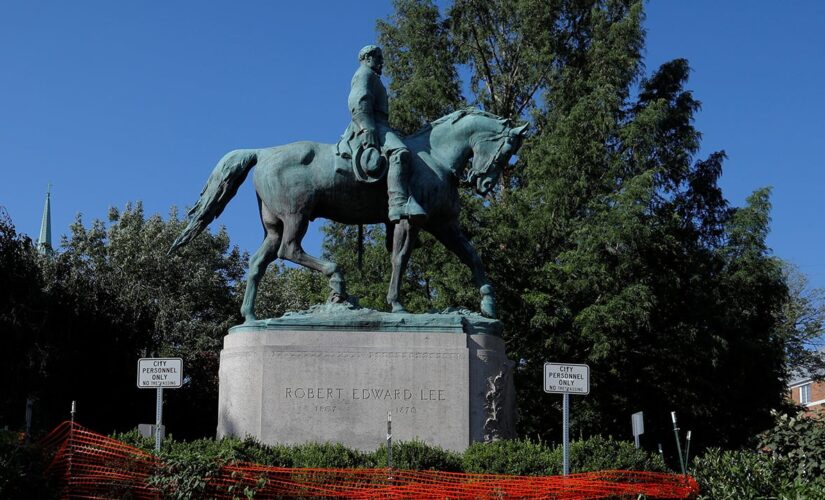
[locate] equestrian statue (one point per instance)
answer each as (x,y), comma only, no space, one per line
(371,176)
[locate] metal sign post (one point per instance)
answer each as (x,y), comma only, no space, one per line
(678,443)
(157,373)
(565,433)
(158,417)
(566,379)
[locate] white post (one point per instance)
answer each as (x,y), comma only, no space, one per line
(565,436)
(389,440)
(158,418)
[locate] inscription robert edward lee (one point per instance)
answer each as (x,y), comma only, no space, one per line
(365,393)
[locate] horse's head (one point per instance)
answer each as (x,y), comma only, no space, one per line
(491,153)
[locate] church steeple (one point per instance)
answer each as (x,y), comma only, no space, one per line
(44,242)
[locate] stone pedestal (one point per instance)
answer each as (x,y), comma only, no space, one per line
(333,373)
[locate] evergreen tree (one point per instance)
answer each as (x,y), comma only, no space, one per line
(420,57)
(610,243)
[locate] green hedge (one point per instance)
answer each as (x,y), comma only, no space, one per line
(516,457)
(789,464)
(187,466)
(747,474)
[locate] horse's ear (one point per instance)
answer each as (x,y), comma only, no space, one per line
(521,131)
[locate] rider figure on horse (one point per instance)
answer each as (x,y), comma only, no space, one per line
(369,106)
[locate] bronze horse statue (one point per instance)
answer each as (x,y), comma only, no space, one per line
(299,182)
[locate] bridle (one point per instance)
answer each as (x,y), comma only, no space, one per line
(474,173)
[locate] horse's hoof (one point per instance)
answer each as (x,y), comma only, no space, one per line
(337,298)
(398,308)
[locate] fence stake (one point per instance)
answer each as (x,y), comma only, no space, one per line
(678,444)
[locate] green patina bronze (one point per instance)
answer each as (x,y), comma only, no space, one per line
(299,182)
(344,317)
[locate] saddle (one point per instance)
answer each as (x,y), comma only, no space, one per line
(367,164)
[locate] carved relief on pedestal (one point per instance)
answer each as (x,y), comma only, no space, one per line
(500,405)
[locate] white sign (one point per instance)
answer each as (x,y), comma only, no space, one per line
(566,378)
(160,372)
(638,422)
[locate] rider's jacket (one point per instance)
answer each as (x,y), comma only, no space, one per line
(368,100)
(369,106)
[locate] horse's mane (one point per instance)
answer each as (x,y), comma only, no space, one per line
(457,115)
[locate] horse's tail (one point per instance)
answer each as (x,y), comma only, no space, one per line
(222,185)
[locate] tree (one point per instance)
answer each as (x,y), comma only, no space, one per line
(154,305)
(802,320)
(78,321)
(21,321)
(284,289)
(610,243)
(420,57)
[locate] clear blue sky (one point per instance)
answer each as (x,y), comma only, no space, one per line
(122,101)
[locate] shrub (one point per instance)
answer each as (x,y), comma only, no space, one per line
(185,473)
(598,453)
(517,457)
(749,474)
(417,455)
(801,441)
(328,455)
(21,470)
(739,474)
(187,466)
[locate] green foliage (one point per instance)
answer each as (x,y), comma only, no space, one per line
(186,473)
(22,307)
(327,455)
(800,441)
(108,297)
(517,457)
(369,282)
(729,475)
(609,242)
(802,321)
(188,465)
(739,474)
(284,289)
(418,455)
(22,470)
(599,453)
(420,59)
(526,458)
(789,465)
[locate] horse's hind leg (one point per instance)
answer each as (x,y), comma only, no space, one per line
(260,260)
(295,227)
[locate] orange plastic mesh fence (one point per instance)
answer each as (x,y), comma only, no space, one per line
(89,465)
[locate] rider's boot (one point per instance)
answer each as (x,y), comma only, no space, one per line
(401,204)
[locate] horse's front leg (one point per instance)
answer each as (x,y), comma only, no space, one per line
(451,236)
(402,243)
